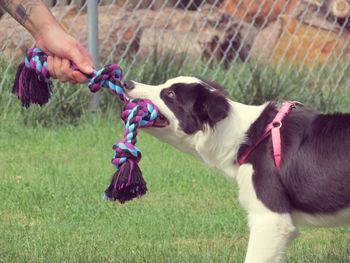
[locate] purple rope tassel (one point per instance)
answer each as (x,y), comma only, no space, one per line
(33,86)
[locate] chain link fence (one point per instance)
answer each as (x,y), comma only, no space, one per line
(298,49)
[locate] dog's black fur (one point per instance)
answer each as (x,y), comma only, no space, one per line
(315,167)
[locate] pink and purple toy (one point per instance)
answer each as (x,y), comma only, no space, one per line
(33,86)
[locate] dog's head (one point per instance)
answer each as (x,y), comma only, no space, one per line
(187,105)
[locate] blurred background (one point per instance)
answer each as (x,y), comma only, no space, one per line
(259,50)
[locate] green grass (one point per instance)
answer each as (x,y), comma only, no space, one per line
(52,210)
(55,166)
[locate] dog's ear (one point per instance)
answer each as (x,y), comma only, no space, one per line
(211,107)
(214,85)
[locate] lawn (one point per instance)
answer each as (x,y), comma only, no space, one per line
(51,186)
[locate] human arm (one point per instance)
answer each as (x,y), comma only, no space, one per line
(52,39)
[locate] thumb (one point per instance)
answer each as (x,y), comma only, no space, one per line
(82,59)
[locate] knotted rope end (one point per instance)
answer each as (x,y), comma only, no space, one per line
(32,84)
(127,183)
(31,88)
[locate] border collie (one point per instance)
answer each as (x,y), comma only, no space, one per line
(312,186)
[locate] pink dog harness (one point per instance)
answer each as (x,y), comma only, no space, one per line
(273,128)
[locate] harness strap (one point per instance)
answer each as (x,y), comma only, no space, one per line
(273,128)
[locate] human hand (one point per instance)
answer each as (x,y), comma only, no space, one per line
(63,48)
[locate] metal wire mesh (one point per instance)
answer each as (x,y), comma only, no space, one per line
(215,39)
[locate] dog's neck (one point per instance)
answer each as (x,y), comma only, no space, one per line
(218,148)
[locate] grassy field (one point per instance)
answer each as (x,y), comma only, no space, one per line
(52,210)
(52,179)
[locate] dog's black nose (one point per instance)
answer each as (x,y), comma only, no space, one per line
(129,84)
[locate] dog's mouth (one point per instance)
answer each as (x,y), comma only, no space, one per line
(161,121)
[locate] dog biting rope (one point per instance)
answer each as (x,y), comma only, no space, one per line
(33,86)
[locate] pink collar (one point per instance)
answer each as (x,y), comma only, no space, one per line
(272,128)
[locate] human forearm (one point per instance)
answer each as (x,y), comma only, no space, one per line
(32,14)
(49,36)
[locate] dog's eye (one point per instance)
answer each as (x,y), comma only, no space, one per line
(170,94)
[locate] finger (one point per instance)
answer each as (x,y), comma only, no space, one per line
(51,67)
(88,56)
(79,77)
(67,72)
(81,58)
(57,66)
(57,63)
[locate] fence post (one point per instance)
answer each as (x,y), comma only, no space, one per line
(92,6)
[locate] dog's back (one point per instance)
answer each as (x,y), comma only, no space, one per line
(315,169)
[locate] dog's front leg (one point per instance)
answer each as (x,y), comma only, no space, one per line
(270,232)
(269,238)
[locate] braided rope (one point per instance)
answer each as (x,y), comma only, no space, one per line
(36,59)
(137,113)
(110,76)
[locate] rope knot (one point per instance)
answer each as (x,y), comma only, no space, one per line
(32,83)
(124,151)
(110,76)
(140,112)
(36,59)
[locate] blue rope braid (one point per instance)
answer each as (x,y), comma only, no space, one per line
(136,114)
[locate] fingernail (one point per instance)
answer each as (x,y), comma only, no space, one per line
(89,68)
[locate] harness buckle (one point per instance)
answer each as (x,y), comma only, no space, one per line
(277,124)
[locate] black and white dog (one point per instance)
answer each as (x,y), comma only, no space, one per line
(313,184)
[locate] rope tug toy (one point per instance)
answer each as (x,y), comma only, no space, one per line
(33,86)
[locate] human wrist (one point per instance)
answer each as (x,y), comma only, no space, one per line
(43,30)
(43,22)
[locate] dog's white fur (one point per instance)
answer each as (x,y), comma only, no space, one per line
(270,233)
